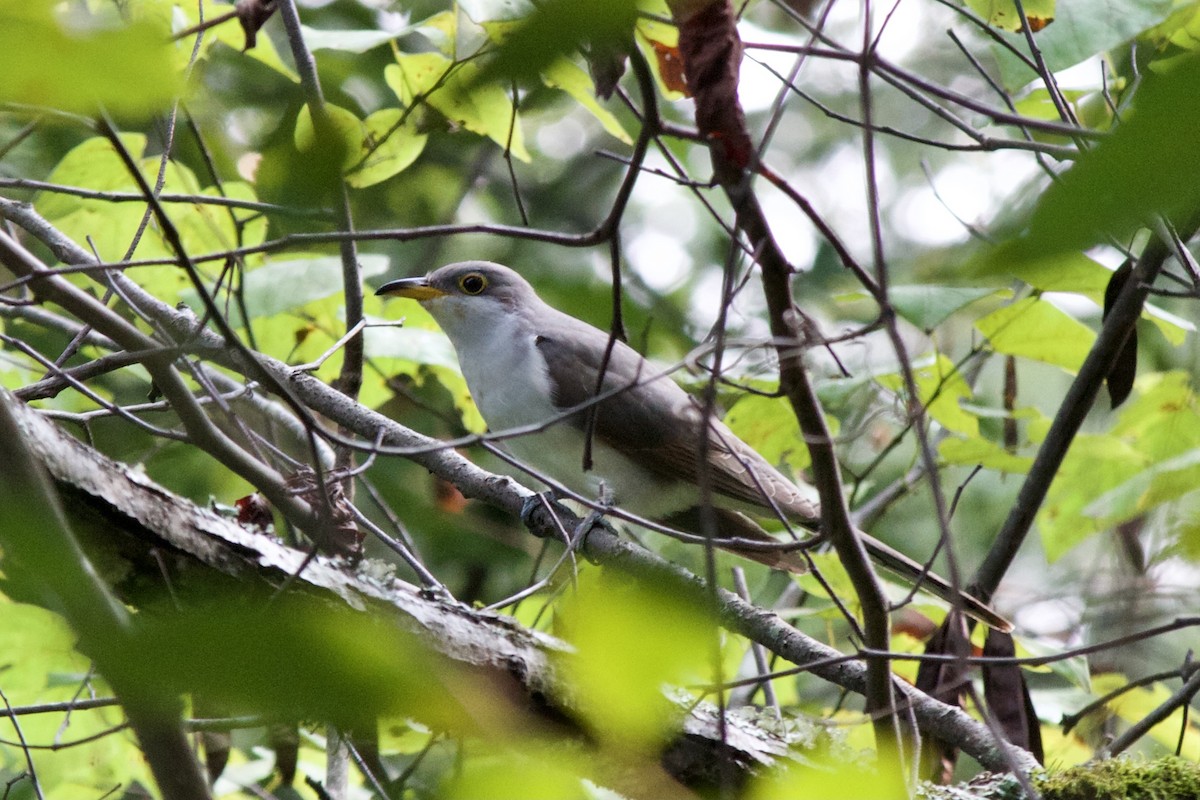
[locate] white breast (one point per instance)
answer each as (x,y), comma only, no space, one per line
(507,377)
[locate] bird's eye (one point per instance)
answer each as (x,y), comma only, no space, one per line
(472,283)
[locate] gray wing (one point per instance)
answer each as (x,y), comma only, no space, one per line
(654,421)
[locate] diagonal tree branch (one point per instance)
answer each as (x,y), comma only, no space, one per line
(502,492)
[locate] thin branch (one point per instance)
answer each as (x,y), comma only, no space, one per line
(166,197)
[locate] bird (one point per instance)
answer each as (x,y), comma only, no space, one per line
(534,370)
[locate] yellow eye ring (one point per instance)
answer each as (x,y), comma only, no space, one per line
(472,283)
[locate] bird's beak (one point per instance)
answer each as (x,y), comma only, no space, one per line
(416,288)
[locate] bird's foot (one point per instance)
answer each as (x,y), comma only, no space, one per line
(594,519)
(535,503)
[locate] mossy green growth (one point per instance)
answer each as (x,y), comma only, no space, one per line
(1163,779)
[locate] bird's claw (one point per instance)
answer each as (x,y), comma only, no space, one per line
(534,502)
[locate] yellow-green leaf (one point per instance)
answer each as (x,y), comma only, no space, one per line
(110,226)
(391,144)
(452,89)
(1126,180)
(566,75)
(1035,328)
(942,388)
(833,778)
(229,34)
(343,139)
(1077,273)
(977,450)
(1094,464)
(531,772)
(630,639)
(63,56)
(769,425)
(1003,14)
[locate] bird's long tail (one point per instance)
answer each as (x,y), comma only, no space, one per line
(913,572)
(732,523)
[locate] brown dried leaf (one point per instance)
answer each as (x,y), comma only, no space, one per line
(1036,23)
(670,67)
(1007,696)
(712,53)
(284,741)
(253,511)
(1124,367)
(943,680)
(447,497)
(343,534)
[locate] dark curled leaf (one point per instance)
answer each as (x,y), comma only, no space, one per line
(712,54)
(217,745)
(943,680)
(1007,696)
(606,63)
(1011,439)
(284,741)
(253,14)
(1124,367)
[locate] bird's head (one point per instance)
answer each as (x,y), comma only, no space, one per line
(471,295)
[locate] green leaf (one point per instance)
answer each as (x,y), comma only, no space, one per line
(1157,484)
(532,772)
(64,57)
(1079,274)
(942,389)
(229,34)
(1092,109)
(286,284)
(566,75)
(481,11)
(440,30)
(390,145)
(927,306)
(293,658)
(110,226)
(1181,29)
(50,670)
(1125,180)
(1063,272)
(769,425)
(1093,465)
(1003,14)
(419,346)
(1164,420)
(829,777)
(348,41)
(342,141)
(834,580)
(1081,29)
(1035,328)
(630,639)
(558,28)
(453,89)
(986,453)
(1163,424)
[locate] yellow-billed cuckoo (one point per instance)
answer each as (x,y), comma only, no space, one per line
(526,363)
